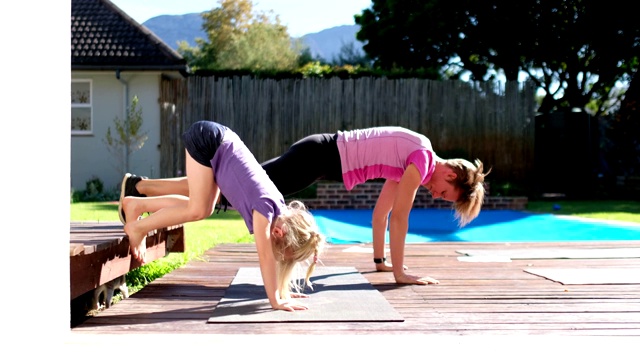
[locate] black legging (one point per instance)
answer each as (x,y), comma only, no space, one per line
(310,159)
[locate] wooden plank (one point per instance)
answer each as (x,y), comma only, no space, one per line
(472,298)
(99,252)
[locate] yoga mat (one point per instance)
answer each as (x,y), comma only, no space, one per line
(339,294)
(590,276)
(617,253)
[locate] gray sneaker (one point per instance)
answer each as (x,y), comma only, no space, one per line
(128,188)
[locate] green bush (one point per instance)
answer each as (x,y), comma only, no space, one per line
(94,191)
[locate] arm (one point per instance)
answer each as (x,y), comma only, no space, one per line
(262,236)
(399,225)
(380,220)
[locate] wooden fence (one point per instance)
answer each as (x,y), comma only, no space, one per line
(470,120)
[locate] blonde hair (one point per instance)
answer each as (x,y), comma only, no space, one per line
(470,181)
(301,241)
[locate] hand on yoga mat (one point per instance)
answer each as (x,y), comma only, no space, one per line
(289,305)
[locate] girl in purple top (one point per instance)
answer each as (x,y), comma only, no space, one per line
(217,160)
(403,158)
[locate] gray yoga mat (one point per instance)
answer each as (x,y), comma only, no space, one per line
(340,294)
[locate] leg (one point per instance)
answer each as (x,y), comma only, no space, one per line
(159,187)
(170,210)
(380,222)
(133,185)
(313,158)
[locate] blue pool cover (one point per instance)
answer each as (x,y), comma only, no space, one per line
(433,225)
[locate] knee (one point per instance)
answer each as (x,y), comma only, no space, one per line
(195,214)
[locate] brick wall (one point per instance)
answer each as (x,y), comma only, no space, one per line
(333,195)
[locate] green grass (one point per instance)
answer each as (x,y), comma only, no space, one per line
(200,236)
(604,210)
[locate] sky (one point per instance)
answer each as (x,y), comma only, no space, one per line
(300,16)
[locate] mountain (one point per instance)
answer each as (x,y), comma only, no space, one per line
(325,44)
(175,28)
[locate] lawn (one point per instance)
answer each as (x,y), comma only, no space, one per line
(605,210)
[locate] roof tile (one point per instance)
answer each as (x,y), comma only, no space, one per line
(104,37)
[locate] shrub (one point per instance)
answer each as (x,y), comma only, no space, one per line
(94,191)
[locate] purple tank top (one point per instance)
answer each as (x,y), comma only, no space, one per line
(243,181)
(383,153)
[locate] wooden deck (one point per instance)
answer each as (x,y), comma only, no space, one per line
(473,298)
(99,252)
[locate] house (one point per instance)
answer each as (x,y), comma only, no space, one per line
(113,60)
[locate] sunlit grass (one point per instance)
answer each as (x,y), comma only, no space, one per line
(604,210)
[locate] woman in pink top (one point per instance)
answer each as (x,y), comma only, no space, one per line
(405,159)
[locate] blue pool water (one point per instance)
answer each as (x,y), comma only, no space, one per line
(433,225)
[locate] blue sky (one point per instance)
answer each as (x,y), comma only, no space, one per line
(300,16)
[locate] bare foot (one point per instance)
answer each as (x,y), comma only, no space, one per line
(137,243)
(416,280)
(387,267)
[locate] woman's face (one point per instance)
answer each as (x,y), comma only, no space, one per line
(441,185)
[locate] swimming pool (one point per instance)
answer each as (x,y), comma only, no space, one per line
(491,226)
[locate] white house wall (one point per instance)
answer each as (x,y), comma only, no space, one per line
(89,155)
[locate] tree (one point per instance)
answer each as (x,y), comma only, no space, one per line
(128,137)
(576,51)
(410,34)
(239,38)
(350,55)
(624,131)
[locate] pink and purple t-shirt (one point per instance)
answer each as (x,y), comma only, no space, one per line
(383,153)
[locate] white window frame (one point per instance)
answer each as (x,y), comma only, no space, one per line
(82,105)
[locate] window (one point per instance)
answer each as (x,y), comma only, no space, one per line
(81,110)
